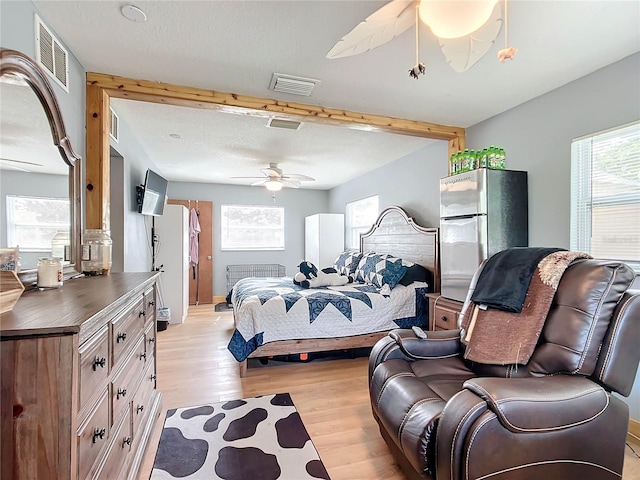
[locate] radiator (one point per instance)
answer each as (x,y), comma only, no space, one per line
(238,272)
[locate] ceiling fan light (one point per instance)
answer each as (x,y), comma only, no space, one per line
(273,185)
(454,19)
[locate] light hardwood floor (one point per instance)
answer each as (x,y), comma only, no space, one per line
(194,367)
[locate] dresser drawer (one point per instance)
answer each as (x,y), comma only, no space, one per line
(93,435)
(116,462)
(150,304)
(125,381)
(150,342)
(142,400)
(125,330)
(94,365)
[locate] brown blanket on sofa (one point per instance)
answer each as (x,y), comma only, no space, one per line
(501,338)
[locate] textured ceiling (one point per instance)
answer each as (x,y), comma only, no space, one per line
(26,144)
(236,46)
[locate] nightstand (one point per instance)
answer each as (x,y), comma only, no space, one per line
(443,312)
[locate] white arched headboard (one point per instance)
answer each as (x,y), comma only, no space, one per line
(396,233)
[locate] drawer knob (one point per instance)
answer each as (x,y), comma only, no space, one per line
(121,392)
(98,362)
(126,441)
(139,408)
(142,314)
(98,433)
(152,339)
(151,303)
(444,319)
(121,337)
(153,377)
(143,356)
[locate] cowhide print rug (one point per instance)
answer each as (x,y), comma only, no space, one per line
(261,438)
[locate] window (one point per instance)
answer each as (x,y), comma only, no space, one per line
(361,215)
(32,222)
(246,227)
(605,195)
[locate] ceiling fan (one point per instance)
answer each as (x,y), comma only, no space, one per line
(274,179)
(466,30)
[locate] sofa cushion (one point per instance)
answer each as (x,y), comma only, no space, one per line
(408,399)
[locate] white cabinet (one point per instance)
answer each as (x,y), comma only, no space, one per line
(324,238)
(172,229)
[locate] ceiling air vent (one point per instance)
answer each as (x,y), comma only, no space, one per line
(282,123)
(51,55)
(293,85)
(114,125)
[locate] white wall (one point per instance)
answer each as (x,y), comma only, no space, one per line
(297,205)
(133,230)
(537,137)
(411,182)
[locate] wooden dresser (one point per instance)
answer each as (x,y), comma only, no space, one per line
(78,376)
(443,312)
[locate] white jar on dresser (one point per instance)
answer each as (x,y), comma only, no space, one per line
(78,377)
(323,238)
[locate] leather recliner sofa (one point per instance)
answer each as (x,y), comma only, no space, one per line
(446,418)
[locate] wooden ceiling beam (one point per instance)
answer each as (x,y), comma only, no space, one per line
(100,87)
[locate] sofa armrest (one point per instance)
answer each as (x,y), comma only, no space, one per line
(539,404)
(438,344)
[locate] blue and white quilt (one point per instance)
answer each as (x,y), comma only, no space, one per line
(271,309)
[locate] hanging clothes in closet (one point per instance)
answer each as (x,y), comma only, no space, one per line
(194,231)
(200,274)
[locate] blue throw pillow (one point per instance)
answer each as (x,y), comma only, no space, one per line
(347,262)
(380,270)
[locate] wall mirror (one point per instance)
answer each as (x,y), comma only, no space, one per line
(40,191)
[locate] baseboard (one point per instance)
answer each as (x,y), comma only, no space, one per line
(634,431)
(219,299)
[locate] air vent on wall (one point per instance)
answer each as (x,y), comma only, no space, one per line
(293,85)
(282,123)
(51,55)
(114,125)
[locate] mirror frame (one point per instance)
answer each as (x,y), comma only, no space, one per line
(18,64)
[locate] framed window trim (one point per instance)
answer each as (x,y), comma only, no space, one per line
(602,194)
(238,237)
(354,227)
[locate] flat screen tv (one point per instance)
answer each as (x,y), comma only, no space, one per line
(154,194)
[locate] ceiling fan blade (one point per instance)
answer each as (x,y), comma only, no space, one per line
(249,178)
(295,176)
(260,182)
(271,172)
(20,161)
(11,166)
(462,53)
(381,26)
(290,183)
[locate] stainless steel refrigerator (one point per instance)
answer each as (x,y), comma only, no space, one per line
(482,212)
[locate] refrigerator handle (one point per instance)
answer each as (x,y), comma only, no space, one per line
(458,217)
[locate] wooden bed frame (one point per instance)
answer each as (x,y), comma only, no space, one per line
(394,232)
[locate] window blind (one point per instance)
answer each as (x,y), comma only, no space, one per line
(605,194)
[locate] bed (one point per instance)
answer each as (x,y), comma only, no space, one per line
(275,317)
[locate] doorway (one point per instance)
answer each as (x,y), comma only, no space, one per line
(201,274)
